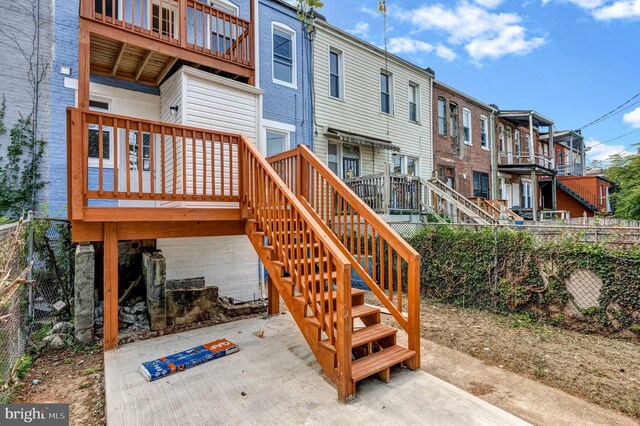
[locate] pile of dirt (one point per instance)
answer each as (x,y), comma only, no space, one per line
(67,377)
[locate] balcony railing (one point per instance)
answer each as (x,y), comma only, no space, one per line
(508,159)
(124,159)
(569,169)
(190,24)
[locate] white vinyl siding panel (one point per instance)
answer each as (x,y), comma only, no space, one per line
(360,111)
(211,102)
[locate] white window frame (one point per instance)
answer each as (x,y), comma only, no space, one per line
(416,87)
(527,187)
(95,162)
(485,145)
(442,130)
(467,112)
(294,65)
(404,164)
(341,79)
(276,127)
(517,143)
(501,138)
(225,6)
(391,92)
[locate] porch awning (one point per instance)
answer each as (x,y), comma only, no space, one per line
(355,138)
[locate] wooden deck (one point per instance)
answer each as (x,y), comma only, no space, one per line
(141,41)
(308,228)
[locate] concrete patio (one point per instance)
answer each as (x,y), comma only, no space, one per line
(274,380)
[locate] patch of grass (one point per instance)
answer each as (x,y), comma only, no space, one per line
(538,371)
(84,386)
(67,361)
(41,333)
(525,319)
(89,371)
(22,366)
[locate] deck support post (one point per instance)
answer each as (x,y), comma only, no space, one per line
(273,304)
(110,285)
(84,67)
(413,302)
(344,327)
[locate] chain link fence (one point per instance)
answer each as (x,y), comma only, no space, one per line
(30,314)
(586,276)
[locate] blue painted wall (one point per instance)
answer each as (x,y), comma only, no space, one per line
(282,103)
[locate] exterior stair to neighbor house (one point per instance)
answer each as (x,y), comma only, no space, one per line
(310,230)
(454,205)
(498,209)
(581,194)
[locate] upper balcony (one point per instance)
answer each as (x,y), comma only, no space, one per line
(142,40)
(525,163)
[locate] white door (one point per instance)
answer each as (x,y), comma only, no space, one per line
(507,195)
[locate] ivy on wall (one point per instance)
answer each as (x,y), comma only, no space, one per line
(511,271)
(20,175)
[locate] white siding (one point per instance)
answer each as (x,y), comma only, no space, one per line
(359,111)
(211,102)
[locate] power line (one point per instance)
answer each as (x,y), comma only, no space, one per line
(616,138)
(610,113)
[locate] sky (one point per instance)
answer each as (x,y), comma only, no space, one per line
(572,61)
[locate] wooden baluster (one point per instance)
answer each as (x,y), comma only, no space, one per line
(389,271)
(128,156)
(204,28)
(163,185)
(222,146)
(184,164)
(100,150)
(231,142)
(174,160)
(213,166)
(217,33)
(195,24)
(194,172)
(152,168)
(399,280)
(114,129)
(329,330)
(204,166)
(140,142)
(366,248)
(104,10)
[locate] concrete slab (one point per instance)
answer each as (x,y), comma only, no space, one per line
(282,383)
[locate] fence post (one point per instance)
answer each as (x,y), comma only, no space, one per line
(30,217)
(386,191)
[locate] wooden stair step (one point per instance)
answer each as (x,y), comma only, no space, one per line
(365,335)
(356,312)
(355,292)
(316,278)
(379,361)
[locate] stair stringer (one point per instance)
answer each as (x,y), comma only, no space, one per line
(326,358)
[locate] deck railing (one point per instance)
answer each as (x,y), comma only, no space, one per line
(121,158)
(384,261)
(313,260)
(508,159)
(190,24)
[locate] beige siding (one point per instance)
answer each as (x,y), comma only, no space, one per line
(359,111)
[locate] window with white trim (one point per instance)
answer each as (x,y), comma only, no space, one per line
(221,32)
(336,85)
(484,128)
(277,142)
(466,126)
(404,164)
(94,137)
(386,92)
(414,102)
(501,138)
(442,117)
(332,158)
(518,148)
(283,50)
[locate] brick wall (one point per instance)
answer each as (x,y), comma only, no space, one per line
(281,103)
(470,158)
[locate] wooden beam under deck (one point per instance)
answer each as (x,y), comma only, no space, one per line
(159,214)
(94,231)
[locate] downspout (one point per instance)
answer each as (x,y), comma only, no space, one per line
(534,177)
(433,151)
(256,49)
(494,160)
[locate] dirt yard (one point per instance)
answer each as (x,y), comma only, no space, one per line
(68,377)
(598,369)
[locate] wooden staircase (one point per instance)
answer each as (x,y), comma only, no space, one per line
(310,242)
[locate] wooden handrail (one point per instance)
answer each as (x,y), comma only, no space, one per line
(187,23)
(382,259)
(302,244)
